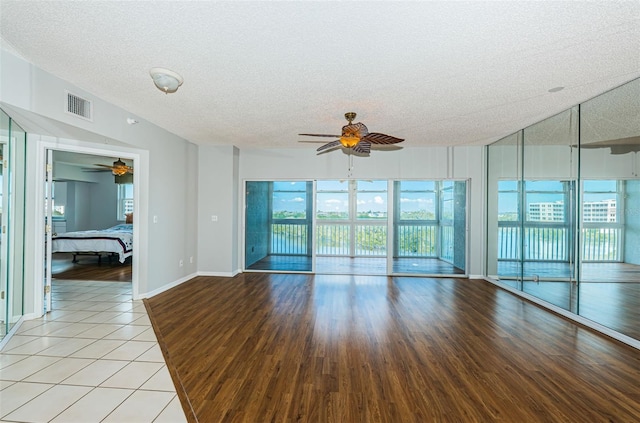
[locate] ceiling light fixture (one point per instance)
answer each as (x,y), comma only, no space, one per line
(166,80)
(119,168)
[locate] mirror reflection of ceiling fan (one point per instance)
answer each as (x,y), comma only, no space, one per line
(118,168)
(355,137)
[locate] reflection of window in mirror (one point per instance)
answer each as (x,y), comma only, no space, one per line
(601,201)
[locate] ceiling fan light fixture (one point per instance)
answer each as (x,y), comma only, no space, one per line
(119,168)
(349,141)
(166,80)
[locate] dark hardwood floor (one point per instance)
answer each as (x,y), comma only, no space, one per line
(329,348)
(88,267)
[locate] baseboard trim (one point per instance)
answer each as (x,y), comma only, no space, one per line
(476,277)
(221,274)
(166,287)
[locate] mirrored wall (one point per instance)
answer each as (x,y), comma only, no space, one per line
(563,207)
(12,216)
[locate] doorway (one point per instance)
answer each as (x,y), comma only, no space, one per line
(90,213)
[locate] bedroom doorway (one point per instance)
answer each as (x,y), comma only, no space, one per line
(89,222)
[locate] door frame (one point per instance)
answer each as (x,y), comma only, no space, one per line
(140,160)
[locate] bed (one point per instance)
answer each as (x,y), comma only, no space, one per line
(116,240)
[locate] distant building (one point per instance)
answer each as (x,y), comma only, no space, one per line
(599,211)
(546,212)
(592,211)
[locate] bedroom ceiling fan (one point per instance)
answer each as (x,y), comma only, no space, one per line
(355,137)
(119,168)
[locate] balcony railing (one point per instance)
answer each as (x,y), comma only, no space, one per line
(370,240)
(333,240)
(418,240)
(601,244)
(289,238)
(552,243)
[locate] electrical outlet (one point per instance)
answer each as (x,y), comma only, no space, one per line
(214,218)
(191,259)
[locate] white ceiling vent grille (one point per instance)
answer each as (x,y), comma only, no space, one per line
(79,106)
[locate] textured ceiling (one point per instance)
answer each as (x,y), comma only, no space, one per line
(258,73)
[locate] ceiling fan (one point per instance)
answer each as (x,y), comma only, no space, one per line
(119,167)
(356,137)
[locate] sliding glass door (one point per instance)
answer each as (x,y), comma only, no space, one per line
(429,227)
(370,227)
(278,225)
(351,227)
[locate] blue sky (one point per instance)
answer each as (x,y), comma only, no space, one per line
(294,198)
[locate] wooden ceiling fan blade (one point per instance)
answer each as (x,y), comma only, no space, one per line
(363,147)
(321,135)
(329,145)
(88,169)
(377,138)
(313,141)
(386,147)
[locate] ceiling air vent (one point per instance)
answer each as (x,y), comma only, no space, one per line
(79,106)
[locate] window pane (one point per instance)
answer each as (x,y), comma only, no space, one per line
(289,186)
(544,186)
(333,205)
(125,200)
(332,186)
(507,185)
(545,207)
(372,205)
(289,205)
(417,185)
(508,206)
(447,204)
(372,186)
(417,206)
(600,201)
(600,186)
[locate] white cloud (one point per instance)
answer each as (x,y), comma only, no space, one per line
(297,200)
(378,200)
(333,201)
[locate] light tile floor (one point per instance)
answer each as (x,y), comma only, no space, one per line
(94,358)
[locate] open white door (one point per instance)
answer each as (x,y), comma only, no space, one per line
(48,201)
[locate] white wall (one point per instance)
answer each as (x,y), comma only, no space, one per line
(218,196)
